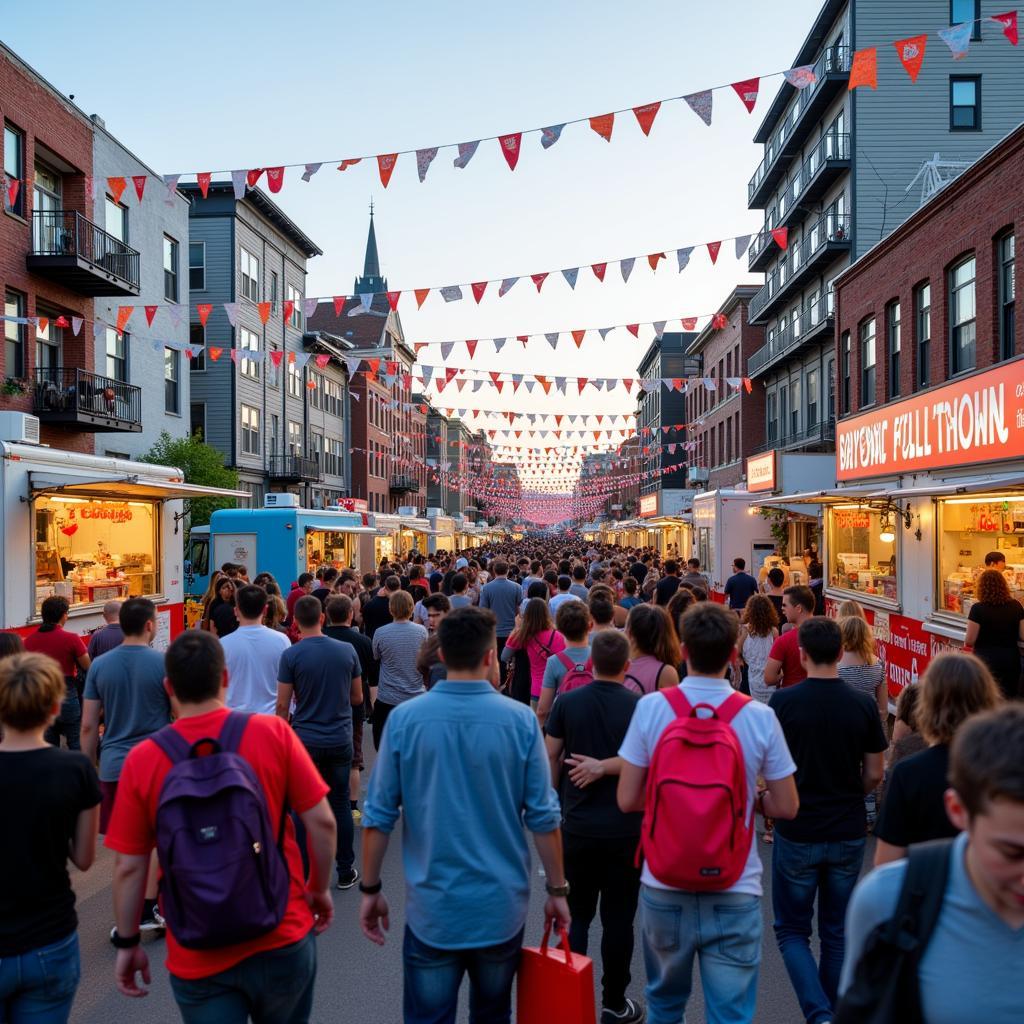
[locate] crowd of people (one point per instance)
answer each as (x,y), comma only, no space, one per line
(593,696)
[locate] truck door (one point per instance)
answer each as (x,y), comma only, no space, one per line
(239,548)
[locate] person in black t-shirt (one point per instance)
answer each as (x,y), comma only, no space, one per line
(740,587)
(836,739)
(327,579)
(668,584)
(376,611)
(995,625)
(953,687)
(50,799)
(588,725)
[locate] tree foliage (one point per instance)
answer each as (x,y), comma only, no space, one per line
(201,464)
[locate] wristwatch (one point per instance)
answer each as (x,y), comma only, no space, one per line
(558,890)
(371,890)
(119,941)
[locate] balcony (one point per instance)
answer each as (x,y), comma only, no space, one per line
(820,437)
(402,483)
(293,469)
(81,256)
(831,72)
(809,324)
(76,398)
(823,240)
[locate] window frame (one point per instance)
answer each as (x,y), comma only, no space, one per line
(246,261)
(845,370)
(295,447)
(250,429)
(197,364)
(191,419)
(172,383)
(976,20)
(922,338)
(955,80)
(172,284)
(201,267)
(1007,285)
(868,393)
(19,302)
(294,378)
(955,326)
(109,205)
(51,338)
(294,295)
(18,208)
(893,346)
(248,367)
(123,338)
(812,387)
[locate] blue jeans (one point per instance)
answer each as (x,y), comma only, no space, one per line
(38,987)
(69,722)
(275,987)
(799,872)
(722,929)
(433,977)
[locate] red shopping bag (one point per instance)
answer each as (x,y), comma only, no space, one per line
(555,986)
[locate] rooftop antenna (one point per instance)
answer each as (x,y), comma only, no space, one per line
(935,174)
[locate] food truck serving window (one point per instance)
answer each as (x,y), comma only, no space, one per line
(968,529)
(329,547)
(862,551)
(91,550)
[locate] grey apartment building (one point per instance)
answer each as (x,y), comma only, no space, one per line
(841,169)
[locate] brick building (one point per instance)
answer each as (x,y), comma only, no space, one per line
(727,424)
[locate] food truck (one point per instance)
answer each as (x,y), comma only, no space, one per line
(443,527)
(89,529)
(400,535)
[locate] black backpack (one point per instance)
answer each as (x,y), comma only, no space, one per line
(885,987)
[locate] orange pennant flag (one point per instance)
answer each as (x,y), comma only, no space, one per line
(653,258)
(911,53)
(603,125)
(577,336)
(689,323)
(215,352)
(864,69)
(748,385)
(116,186)
(386,165)
(421,296)
(645,115)
(204,309)
(346,164)
(124,314)
(264,310)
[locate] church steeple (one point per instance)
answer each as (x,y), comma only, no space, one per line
(371,280)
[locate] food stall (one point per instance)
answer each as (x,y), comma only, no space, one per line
(442,535)
(401,535)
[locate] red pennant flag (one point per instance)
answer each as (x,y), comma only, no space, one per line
(748,385)
(499,384)
(633,329)
(863,69)
(393,298)
(628,381)
(419,346)
(13,184)
(911,54)
(471,348)
(204,309)
(478,290)
(288,307)
(276,357)
(581,383)
(538,279)
(713,248)
(719,321)
(215,352)
(203,177)
(689,323)
(253,176)
(150,313)
(139,181)
(275,178)
(747,92)
(510,148)
(577,336)
(494,375)
(346,164)
(599,269)
(124,314)
(339,302)
(264,310)
(61,321)
(386,165)
(781,236)
(449,373)
(1009,23)
(646,114)
(653,258)
(421,296)
(116,187)
(603,125)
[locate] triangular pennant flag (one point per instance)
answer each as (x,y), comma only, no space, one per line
(275,179)
(365,301)
(603,125)
(393,298)
(510,148)
(203,309)
(238,182)
(958,39)
(124,314)
(599,269)
(339,303)
(253,176)
(742,245)
(346,164)
(646,114)
(446,349)
(633,329)
(864,69)
(478,290)
(683,255)
(539,279)
(42,322)
(171,182)
(76,325)
(203,178)
(13,185)
(471,348)
(801,77)
(1008,22)
(139,181)
(549,136)
(570,276)
(424,158)
(713,248)
(310,170)
(452,293)
(626,267)
(309,307)
(386,166)
(322,360)
(700,103)
(449,373)
(748,385)
(287,309)
(506,286)
(781,236)
(659,327)
(552,338)
(747,92)
(116,187)
(605,331)
(719,321)
(276,356)
(499,344)
(911,54)
(150,313)
(235,356)
(466,153)
(653,258)
(421,296)
(264,311)
(231,309)
(581,383)
(577,336)
(689,323)
(215,352)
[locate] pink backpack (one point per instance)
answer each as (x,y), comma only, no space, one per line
(695,834)
(576,674)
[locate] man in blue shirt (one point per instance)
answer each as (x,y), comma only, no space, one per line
(502,596)
(467,770)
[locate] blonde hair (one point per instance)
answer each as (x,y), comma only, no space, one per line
(858,638)
(400,604)
(953,687)
(30,685)
(849,608)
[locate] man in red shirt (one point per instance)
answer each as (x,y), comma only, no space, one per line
(227,984)
(68,650)
(783,667)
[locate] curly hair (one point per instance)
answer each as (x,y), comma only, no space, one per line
(953,687)
(992,588)
(858,638)
(760,616)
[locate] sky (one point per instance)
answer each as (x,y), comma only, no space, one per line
(196,86)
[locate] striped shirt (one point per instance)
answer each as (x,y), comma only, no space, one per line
(396,646)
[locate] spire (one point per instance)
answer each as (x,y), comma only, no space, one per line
(371,280)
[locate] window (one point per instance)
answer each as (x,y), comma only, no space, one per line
(1007,294)
(49,346)
(197,342)
(316,448)
(275,432)
(170,269)
(250,267)
(14,165)
(117,360)
(893,343)
(197,420)
(316,392)
(831,390)
(794,411)
(115,219)
(783,406)
(197,266)
(14,335)
(812,399)
(250,430)
(867,363)
(859,560)
(273,290)
(47,200)
(844,355)
(961,11)
(294,438)
(295,297)
(172,359)
(923,316)
(965,103)
(962,337)
(248,341)
(294,379)
(728,440)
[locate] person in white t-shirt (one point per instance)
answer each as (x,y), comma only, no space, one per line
(723,929)
(252,653)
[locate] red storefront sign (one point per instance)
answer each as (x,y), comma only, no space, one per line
(761,472)
(648,505)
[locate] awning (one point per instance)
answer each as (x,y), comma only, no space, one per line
(113,487)
(833,496)
(951,488)
(342,528)
(425,530)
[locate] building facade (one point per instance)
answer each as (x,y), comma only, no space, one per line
(726,425)
(842,169)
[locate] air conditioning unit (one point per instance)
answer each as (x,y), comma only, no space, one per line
(281,499)
(408,510)
(434,512)
(19,426)
(697,474)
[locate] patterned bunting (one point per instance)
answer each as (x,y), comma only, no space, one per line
(801,77)
(510,148)
(958,39)
(424,158)
(700,103)
(747,91)
(386,166)
(911,54)
(549,136)
(645,116)
(864,69)
(713,248)
(603,125)
(683,255)
(466,152)
(538,280)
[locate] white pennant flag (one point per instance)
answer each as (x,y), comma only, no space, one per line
(683,256)
(171,181)
(309,307)
(310,170)
(231,309)
(742,245)
(659,327)
(626,267)
(506,286)
(238,181)
(76,325)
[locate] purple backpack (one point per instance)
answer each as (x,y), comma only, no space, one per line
(223,879)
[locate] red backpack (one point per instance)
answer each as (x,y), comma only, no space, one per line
(576,674)
(695,833)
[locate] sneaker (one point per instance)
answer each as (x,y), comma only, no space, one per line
(357,818)
(632,1014)
(154,923)
(347,881)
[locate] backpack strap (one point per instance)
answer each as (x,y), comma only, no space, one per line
(732,706)
(921,896)
(677,699)
(172,743)
(231,731)
(566,662)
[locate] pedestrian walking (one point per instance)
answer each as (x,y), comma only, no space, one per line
(376,611)
(740,586)
(859,665)
(784,666)
(758,633)
(109,635)
(396,647)
(669,583)
(654,650)
(573,622)
(223,619)
(502,596)
(428,660)
(538,639)
(252,653)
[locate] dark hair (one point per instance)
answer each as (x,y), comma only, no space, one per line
(308,611)
(538,588)
(708,632)
(906,706)
(392,583)
(986,761)
(693,563)
(776,576)
(579,572)
(671,566)
(992,588)
(10,643)
(821,640)
(993,557)
(740,563)
(53,610)
(135,613)
(650,632)
(564,583)
(500,568)
(339,608)
(437,602)
(465,636)
(609,653)
(551,577)
(630,585)
(195,666)
(802,596)
(306,577)
(329,576)
(573,620)
(602,611)
(250,600)
(459,583)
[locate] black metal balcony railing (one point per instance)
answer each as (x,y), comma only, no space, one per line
(823,433)
(296,468)
(830,67)
(807,323)
(78,397)
(403,482)
(64,240)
